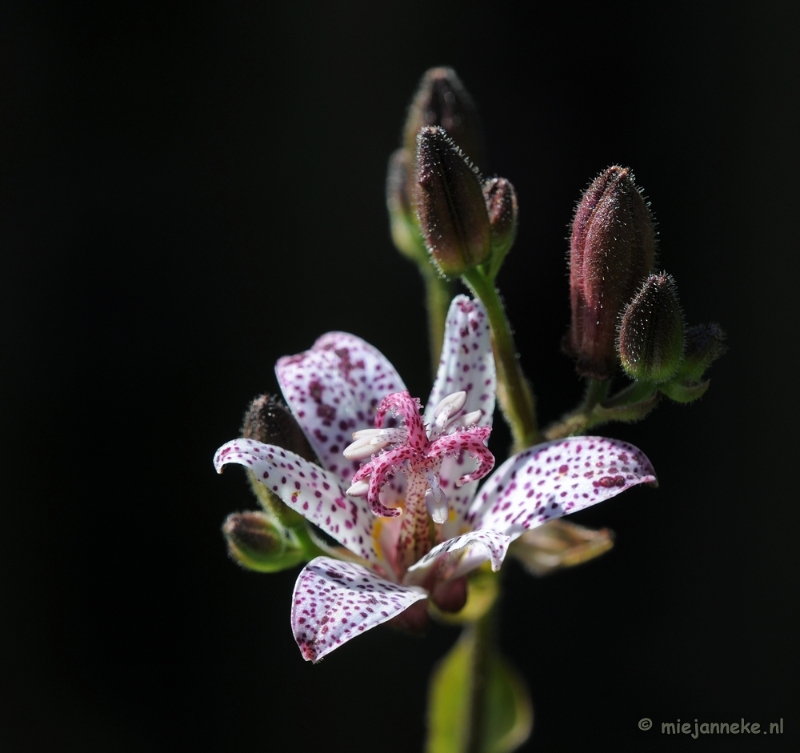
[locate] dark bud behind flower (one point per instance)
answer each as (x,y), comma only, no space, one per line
(501,205)
(269,421)
(450,203)
(612,250)
(442,100)
(651,331)
(258,543)
(402,217)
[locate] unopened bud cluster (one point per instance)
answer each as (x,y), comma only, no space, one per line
(441,209)
(624,314)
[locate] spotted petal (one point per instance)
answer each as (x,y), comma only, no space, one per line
(334,389)
(315,493)
(466,364)
(335,601)
(555,479)
(461,554)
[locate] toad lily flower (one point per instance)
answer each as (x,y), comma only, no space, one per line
(409,517)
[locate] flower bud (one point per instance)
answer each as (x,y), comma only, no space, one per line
(258,543)
(442,100)
(559,544)
(704,344)
(450,203)
(501,205)
(269,421)
(651,331)
(402,219)
(612,250)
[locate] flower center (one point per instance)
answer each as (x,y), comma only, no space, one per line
(417,452)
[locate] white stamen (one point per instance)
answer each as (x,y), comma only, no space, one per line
(455,402)
(447,407)
(364,448)
(363,433)
(468,419)
(359,489)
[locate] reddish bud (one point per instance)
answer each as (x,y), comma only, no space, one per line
(612,250)
(450,203)
(651,331)
(501,205)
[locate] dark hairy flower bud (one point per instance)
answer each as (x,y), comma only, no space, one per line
(442,100)
(269,421)
(651,331)
(257,543)
(612,250)
(501,205)
(450,203)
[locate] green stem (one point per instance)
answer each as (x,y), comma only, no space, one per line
(633,393)
(513,393)
(310,548)
(629,404)
(596,392)
(580,419)
(438,293)
(481,634)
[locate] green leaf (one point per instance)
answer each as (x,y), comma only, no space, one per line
(505,707)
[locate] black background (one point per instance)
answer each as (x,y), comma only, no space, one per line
(190,192)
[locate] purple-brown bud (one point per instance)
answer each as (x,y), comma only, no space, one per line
(269,421)
(501,205)
(442,100)
(612,250)
(651,331)
(450,203)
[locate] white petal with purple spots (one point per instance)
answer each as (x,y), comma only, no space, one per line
(555,479)
(307,488)
(460,555)
(466,364)
(335,601)
(333,390)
